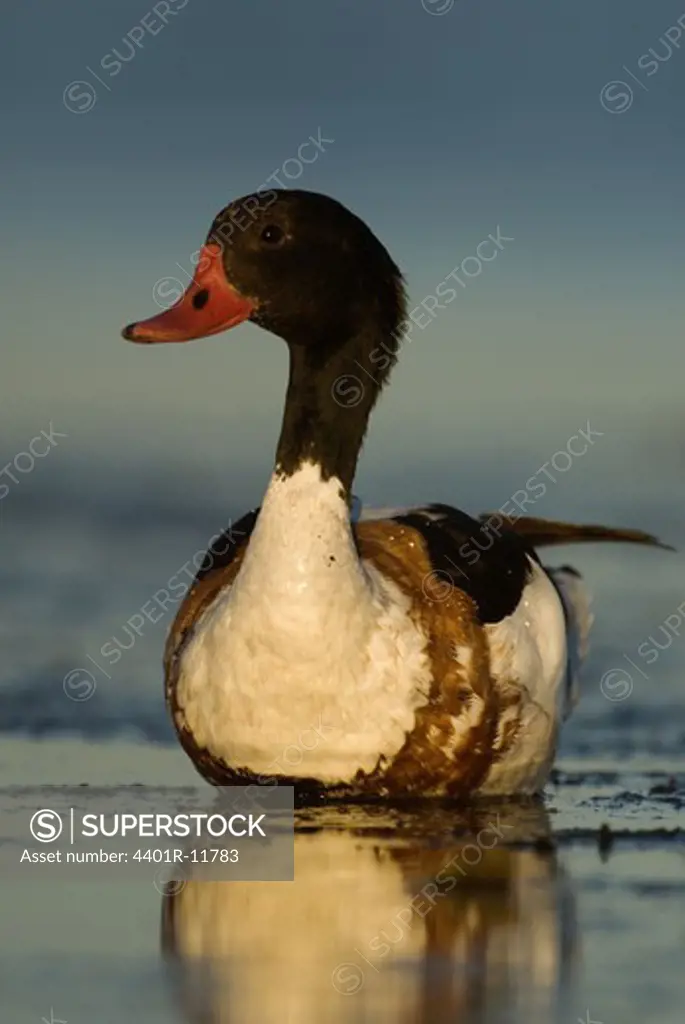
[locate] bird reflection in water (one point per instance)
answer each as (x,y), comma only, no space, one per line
(390,919)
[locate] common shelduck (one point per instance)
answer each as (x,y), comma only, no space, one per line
(421,652)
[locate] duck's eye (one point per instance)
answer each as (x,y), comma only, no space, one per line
(272,234)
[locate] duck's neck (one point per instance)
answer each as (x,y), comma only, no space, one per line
(328,403)
(302,555)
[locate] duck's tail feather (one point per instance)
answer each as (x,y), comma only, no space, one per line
(546,532)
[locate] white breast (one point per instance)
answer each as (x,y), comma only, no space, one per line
(310,664)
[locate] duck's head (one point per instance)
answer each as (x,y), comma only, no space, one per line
(298,264)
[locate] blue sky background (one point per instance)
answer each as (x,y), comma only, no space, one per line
(445,127)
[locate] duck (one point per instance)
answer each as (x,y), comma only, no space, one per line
(416,652)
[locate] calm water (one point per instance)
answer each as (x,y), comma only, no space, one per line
(549,916)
